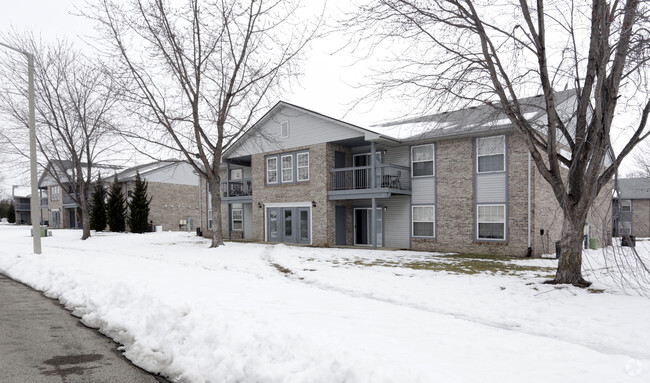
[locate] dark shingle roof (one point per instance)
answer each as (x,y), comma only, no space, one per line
(476,120)
(634,188)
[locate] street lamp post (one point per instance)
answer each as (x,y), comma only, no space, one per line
(35,206)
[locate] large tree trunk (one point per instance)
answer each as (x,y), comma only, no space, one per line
(85,221)
(217,233)
(569,268)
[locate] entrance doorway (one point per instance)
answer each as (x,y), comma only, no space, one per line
(289,224)
(363,227)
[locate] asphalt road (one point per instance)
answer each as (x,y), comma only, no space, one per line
(40,341)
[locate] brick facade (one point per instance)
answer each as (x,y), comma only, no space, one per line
(171,203)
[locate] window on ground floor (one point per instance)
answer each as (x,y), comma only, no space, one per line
(625,228)
(491,221)
(210,219)
(424,218)
(237,219)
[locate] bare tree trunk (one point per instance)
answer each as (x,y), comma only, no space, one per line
(85,222)
(570,258)
(215,199)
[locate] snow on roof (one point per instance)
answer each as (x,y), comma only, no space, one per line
(472,120)
(130,173)
(634,188)
(22,192)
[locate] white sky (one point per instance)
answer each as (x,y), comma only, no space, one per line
(327,85)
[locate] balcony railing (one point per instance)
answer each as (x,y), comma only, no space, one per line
(237,188)
(67,199)
(22,206)
(386,177)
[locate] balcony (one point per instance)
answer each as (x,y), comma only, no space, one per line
(356,182)
(21,206)
(237,190)
(68,201)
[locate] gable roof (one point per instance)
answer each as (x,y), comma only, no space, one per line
(129,174)
(474,120)
(367,133)
(634,188)
(65,167)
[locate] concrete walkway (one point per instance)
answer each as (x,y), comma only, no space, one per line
(42,342)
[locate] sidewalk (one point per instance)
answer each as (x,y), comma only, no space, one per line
(42,342)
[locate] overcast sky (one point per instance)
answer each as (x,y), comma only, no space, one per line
(329,84)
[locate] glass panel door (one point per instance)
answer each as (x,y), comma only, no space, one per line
(303,225)
(273,225)
(288,218)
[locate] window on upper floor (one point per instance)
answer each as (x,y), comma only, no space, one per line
(423,160)
(302,161)
(287,168)
(491,221)
(626,205)
(424,221)
(272,170)
(55,193)
(490,154)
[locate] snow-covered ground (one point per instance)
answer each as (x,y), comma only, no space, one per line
(263,313)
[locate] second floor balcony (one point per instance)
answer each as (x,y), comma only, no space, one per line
(357,182)
(19,206)
(237,189)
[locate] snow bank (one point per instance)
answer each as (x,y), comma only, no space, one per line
(229,315)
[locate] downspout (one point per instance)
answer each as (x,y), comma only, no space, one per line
(373,184)
(200,205)
(529,205)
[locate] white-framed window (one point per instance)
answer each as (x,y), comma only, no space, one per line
(272,170)
(626,205)
(210,219)
(236,174)
(424,221)
(237,215)
(491,221)
(55,193)
(625,227)
(284,129)
(491,154)
(287,168)
(422,160)
(302,163)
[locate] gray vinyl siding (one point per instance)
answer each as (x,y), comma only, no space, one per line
(397,222)
(424,190)
(304,130)
(248,221)
(491,188)
(398,156)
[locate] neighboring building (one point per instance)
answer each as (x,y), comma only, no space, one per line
(58,208)
(22,199)
(465,183)
(173,189)
(631,210)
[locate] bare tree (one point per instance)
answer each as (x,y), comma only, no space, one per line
(498,52)
(201,71)
(642,160)
(75,99)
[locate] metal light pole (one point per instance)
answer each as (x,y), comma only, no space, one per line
(35,203)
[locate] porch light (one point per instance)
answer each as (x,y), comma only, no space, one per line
(259,205)
(313,203)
